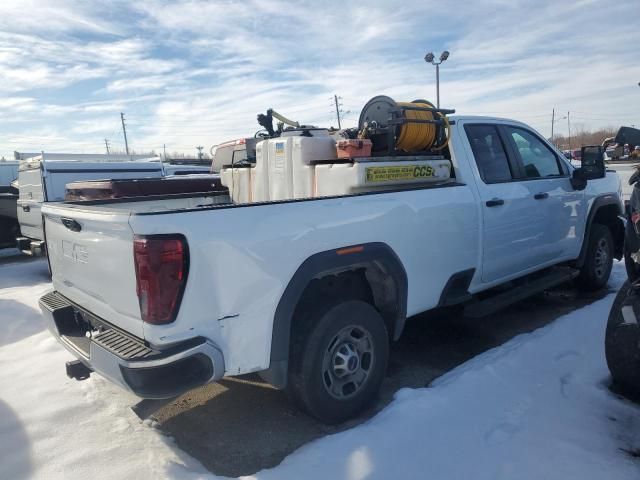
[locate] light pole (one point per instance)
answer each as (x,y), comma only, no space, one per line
(430,58)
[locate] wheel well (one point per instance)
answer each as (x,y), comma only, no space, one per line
(604,212)
(607,215)
(367,282)
(372,272)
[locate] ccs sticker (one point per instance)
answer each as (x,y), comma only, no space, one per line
(404,172)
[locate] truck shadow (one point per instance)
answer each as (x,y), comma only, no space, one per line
(241,426)
(25,321)
(22,271)
(15,454)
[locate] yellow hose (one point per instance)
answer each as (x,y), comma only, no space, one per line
(446,140)
(420,136)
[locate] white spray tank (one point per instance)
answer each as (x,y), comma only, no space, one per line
(238,181)
(260,174)
(289,159)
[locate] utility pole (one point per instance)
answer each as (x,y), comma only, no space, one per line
(335,98)
(124,130)
(199,147)
(106,144)
(569,129)
(164,149)
(553,120)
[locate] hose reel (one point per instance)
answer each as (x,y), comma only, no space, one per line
(404,126)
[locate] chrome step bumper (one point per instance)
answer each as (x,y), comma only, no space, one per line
(127,360)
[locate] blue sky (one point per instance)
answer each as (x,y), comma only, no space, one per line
(190,73)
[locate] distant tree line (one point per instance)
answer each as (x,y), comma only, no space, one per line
(584,137)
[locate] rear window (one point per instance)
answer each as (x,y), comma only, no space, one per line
(489,153)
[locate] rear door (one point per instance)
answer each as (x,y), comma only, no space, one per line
(91,257)
(512,228)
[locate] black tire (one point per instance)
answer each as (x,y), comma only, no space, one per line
(622,343)
(598,263)
(320,346)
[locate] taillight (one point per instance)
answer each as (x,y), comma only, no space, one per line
(161,273)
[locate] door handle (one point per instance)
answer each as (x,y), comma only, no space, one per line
(71,224)
(26,208)
(494,202)
(541,196)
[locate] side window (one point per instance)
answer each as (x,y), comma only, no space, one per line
(489,153)
(537,159)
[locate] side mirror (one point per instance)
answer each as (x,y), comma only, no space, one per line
(592,162)
(579,179)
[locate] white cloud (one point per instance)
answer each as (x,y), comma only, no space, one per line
(196,72)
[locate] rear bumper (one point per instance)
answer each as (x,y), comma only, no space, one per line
(28,246)
(128,361)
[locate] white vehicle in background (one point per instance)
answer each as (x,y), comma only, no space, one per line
(9,228)
(42,178)
(323,251)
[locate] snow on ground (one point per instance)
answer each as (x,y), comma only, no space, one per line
(537,407)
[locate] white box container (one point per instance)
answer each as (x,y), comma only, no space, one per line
(349,178)
(238,181)
(280,168)
(283,165)
(260,174)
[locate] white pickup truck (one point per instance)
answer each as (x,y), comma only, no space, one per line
(161,295)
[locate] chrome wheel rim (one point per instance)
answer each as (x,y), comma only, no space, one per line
(348,362)
(601,257)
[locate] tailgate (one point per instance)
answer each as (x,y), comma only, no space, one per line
(91,256)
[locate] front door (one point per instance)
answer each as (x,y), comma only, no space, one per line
(548,185)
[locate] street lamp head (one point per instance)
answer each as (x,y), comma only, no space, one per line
(429,57)
(444,55)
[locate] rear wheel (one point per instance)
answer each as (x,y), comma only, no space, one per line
(595,272)
(622,341)
(338,360)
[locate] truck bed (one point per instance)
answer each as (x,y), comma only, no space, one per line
(251,250)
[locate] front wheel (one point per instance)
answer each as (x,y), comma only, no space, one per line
(338,361)
(622,340)
(598,263)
